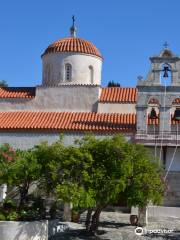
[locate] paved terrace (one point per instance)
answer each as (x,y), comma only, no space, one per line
(115,226)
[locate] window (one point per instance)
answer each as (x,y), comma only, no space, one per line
(68,72)
(48,73)
(91,74)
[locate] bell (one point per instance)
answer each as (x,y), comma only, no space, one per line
(177,114)
(166,69)
(153,114)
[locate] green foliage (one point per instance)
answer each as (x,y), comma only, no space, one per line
(9,204)
(109,169)
(2,217)
(3,83)
(145,184)
(20,172)
(8,211)
(113,84)
(91,174)
(49,158)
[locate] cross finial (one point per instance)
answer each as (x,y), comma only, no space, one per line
(73,28)
(166,45)
(74,19)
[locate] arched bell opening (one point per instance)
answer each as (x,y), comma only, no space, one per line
(175,115)
(166,74)
(153,116)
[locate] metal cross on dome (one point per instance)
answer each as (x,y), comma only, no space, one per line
(166,45)
(74,19)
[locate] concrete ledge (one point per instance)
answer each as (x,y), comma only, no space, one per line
(36,230)
(160,211)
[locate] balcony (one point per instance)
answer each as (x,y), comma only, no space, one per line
(165,138)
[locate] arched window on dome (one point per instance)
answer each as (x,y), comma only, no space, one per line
(47,73)
(91,74)
(68,72)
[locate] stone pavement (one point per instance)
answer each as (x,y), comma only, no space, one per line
(115,226)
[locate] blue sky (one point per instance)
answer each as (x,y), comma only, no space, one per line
(127,32)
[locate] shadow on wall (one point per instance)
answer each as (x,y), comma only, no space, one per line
(37,230)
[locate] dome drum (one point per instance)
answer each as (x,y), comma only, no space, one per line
(71,61)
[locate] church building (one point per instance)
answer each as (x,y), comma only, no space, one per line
(72,101)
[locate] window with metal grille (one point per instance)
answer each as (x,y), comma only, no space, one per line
(91,74)
(68,72)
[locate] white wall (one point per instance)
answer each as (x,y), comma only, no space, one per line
(80,68)
(176,163)
(62,98)
(37,230)
(25,140)
(116,108)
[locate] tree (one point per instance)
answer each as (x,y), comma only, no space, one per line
(50,157)
(113,84)
(3,83)
(20,171)
(63,173)
(90,175)
(95,172)
(145,183)
(109,173)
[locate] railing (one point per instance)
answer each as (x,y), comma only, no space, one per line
(158,136)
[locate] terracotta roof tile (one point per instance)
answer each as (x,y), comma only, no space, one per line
(73,44)
(73,121)
(17,92)
(118,95)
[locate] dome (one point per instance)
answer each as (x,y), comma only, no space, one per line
(73,44)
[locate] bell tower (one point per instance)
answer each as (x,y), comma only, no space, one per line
(158,91)
(166,65)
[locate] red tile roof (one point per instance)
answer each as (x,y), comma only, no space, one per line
(119,95)
(72,121)
(73,44)
(17,92)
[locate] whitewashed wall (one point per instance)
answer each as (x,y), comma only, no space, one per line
(116,108)
(25,140)
(80,68)
(62,98)
(176,162)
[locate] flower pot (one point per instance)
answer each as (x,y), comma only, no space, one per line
(134,220)
(75,217)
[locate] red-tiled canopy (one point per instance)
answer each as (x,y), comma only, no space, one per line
(77,121)
(17,92)
(176,101)
(153,101)
(119,95)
